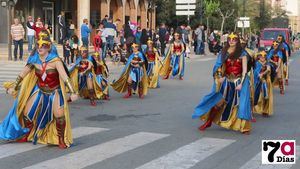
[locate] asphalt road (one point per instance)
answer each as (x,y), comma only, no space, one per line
(158,132)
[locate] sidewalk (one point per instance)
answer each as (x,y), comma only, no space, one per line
(4,51)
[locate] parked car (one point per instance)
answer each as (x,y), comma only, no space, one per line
(268,35)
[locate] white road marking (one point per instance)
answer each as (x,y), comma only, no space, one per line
(256,163)
(10,149)
(189,155)
(98,153)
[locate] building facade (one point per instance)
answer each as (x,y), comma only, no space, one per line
(292,8)
(293,11)
(140,11)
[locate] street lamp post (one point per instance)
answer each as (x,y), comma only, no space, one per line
(9,4)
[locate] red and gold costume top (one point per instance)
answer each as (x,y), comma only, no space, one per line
(177,47)
(83,65)
(151,55)
(234,67)
(48,80)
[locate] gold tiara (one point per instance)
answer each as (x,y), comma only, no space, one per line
(232,35)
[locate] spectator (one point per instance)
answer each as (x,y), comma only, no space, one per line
(104,20)
(17,33)
(37,27)
(129,37)
(149,34)
(202,49)
(71,29)
(103,38)
(66,51)
(61,27)
(138,35)
(46,27)
(30,34)
(116,55)
(184,34)
(199,38)
(117,22)
(124,53)
(98,42)
(144,39)
(162,32)
(85,31)
(110,32)
(74,44)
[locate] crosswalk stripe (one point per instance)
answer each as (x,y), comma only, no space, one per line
(189,155)
(8,73)
(256,163)
(98,153)
(16,148)
(8,76)
(10,69)
(12,65)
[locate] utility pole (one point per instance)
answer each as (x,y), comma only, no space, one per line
(244,8)
(244,14)
(8,33)
(188,17)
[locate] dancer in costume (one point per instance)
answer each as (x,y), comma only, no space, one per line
(174,62)
(83,75)
(275,57)
(40,111)
(250,65)
(134,75)
(153,65)
(102,74)
(228,105)
(263,100)
(286,53)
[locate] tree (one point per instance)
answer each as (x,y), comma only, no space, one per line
(210,8)
(225,16)
(264,19)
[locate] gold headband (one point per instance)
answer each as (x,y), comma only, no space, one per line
(83,48)
(134,45)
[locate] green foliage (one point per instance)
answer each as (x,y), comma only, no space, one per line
(211,7)
(206,12)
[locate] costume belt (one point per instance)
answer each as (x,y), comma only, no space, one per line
(272,61)
(233,78)
(48,90)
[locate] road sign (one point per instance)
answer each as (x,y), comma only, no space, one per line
(185,7)
(244,18)
(243,24)
(185,1)
(185,13)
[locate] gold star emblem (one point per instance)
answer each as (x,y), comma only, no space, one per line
(42,35)
(232,36)
(41,42)
(263,54)
(275,43)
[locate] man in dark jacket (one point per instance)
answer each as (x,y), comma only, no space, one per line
(162,38)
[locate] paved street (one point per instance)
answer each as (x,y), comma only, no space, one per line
(157,132)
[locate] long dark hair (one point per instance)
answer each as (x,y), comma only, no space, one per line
(237,52)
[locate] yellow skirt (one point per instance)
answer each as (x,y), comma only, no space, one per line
(233,122)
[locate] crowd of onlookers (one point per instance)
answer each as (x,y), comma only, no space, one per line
(114,40)
(111,39)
